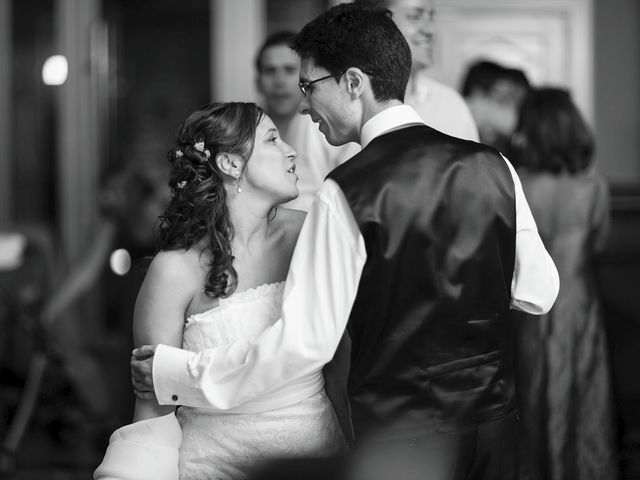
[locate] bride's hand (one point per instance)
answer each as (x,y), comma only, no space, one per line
(142,372)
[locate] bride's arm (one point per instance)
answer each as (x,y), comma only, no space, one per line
(159,313)
(147,449)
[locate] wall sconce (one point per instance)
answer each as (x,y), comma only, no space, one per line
(55,70)
(120,261)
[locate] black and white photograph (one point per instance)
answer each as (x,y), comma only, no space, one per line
(319,239)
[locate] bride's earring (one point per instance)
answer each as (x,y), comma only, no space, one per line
(238,187)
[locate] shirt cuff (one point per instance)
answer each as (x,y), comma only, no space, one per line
(170,373)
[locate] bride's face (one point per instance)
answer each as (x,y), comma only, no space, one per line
(271,168)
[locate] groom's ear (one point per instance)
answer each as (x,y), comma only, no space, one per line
(230,164)
(356,81)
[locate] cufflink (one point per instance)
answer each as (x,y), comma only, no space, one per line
(174,398)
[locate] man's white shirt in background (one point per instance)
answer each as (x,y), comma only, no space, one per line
(441,107)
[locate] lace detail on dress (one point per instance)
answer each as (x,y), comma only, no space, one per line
(254,292)
(243,315)
(230,445)
(245,295)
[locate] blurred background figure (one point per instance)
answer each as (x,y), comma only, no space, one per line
(494,94)
(130,202)
(562,359)
(439,105)
(277,68)
(66,386)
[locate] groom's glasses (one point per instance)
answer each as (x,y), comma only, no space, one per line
(306,88)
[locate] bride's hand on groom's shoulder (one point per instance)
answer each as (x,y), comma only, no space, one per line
(142,372)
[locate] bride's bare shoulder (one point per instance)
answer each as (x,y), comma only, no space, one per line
(179,265)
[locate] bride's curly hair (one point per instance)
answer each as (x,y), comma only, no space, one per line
(199,209)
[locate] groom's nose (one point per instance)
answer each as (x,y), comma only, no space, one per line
(303,107)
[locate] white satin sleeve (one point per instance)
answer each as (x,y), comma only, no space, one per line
(320,290)
(535,282)
(145,450)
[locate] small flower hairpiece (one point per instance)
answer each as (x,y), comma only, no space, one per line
(199,146)
(181,184)
(179,153)
(207,153)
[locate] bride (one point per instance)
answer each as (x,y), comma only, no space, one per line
(225,248)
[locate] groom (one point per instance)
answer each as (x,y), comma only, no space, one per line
(418,245)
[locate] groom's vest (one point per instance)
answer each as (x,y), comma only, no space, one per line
(429,328)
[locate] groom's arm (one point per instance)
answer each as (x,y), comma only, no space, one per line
(535,283)
(320,290)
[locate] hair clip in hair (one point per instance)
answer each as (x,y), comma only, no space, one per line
(181,185)
(199,146)
(207,153)
(179,153)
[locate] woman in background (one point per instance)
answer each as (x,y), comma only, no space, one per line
(563,374)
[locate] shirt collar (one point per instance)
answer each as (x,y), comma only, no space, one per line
(388,119)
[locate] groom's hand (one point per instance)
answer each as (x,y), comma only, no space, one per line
(142,372)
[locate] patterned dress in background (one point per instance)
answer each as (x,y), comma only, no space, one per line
(562,366)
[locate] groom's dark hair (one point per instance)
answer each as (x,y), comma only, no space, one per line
(349,35)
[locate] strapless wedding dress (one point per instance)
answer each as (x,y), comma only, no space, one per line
(229,445)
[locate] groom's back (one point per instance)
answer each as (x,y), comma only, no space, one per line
(428,330)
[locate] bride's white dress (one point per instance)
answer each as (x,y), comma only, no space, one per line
(230,445)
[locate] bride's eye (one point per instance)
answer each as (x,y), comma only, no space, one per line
(273,139)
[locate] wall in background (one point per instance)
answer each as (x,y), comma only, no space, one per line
(292,14)
(6,167)
(617,89)
(549,40)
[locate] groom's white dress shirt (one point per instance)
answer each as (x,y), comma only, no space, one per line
(283,366)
